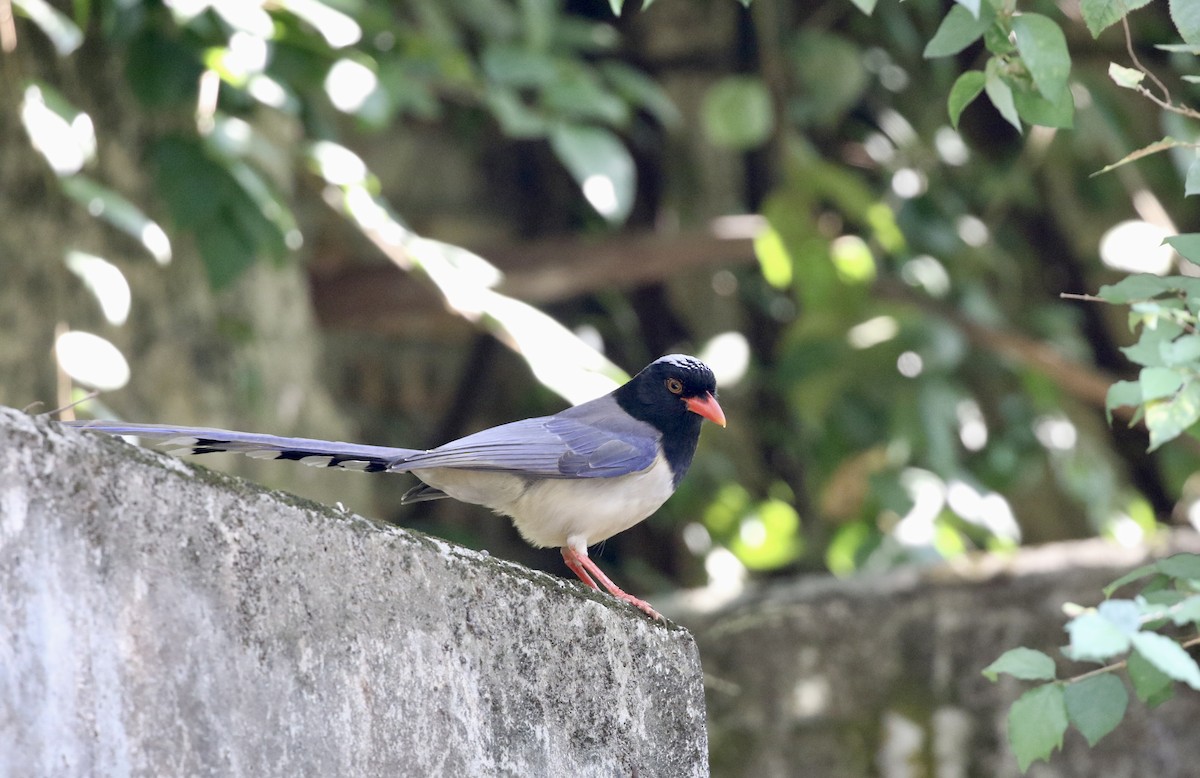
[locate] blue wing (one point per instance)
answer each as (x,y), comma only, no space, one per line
(593,440)
(206,440)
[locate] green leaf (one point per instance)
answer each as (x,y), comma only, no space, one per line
(1168,419)
(829,74)
(1186,566)
(226,254)
(966,88)
(773,258)
(1146,351)
(971,5)
(161,71)
(1000,93)
(1125,615)
(516,118)
(866,6)
(1120,394)
(1168,656)
(205,197)
(1150,684)
(1141,286)
(737,113)
(1184,350)
(615,5)
(518,66)
(600,164)
(1036,109)
(998,40)
(1137,573)
(111,207)
(642,91)
(1186,15)
(1036,723)
(1191,184)
(1155,147)
(1094,638)
(958,30)
(1101,14)
(1023,663)
(1187,245)
(1096,705)
(1043,48)
(1127,78)
(1159,382)
(578,96)
(1186,612)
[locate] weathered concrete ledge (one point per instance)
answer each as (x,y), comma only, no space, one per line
(160,619)
(881,675)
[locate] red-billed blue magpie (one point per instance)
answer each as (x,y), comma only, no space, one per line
(569,480)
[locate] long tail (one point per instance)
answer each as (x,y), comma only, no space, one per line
(204,440)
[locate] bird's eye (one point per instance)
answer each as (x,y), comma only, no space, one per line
(674,386)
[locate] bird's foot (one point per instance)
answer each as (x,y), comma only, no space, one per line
(641,605)
(589,573)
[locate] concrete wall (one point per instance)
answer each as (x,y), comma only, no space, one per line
(162,620)
(881,676)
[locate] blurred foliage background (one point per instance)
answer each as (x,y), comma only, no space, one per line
(778,189)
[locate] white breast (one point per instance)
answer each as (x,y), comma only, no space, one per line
(556,512)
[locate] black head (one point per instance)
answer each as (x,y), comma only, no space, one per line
(674,394)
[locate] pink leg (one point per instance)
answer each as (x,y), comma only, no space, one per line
(585,568)
(572,560)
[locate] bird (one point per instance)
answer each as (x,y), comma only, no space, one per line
(569,480)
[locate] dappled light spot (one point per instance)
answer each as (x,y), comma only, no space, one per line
(349,84)
(696,538)
(1056,432)
(92,361)
(984,509)
(339,166)
(601,193)
(872,332)
(246,15)
(879,148)
(908,183)
(972,428)
(1193,515)
(724,283)
(739,226)
(893,78)
(852,257)
(105,281)
(68,142)
(972,231)
(591,336)
(1125,530)
(928,495)
(726,574)
(268,91)
(928,273)
(338,29)
(1136,246)
(155,240)
(246,54)
(910,364)
(728,354)
(811,697)
(950,147)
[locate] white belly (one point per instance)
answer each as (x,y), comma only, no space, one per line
(556,512)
